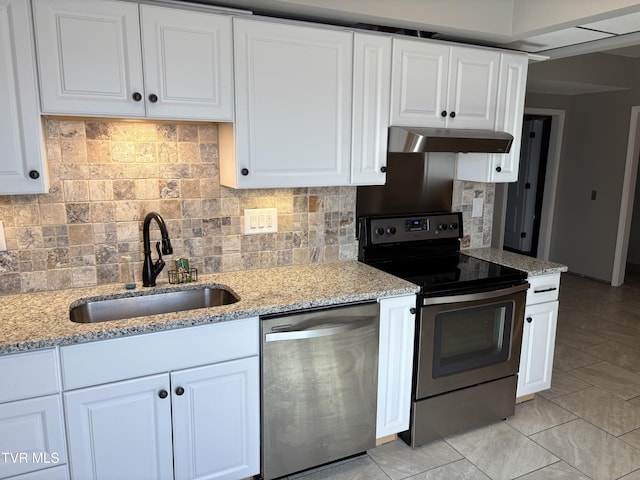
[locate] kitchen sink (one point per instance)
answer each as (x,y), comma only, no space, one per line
(140,305)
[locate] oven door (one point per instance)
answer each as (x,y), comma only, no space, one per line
(469,339)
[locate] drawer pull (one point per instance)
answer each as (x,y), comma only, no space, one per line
(545,290)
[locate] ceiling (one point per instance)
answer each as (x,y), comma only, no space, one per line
(545,29)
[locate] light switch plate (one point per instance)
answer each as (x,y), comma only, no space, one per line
(478,205)
(260,220)
(3,241)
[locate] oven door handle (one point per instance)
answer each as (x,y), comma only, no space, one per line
(471,297)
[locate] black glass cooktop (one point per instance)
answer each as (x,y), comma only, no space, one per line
(451,273)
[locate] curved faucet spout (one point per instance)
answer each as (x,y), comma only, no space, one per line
(150,270)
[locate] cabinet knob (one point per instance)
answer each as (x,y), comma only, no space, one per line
(34,174)
(137,96)
(452,114)
(443,113)
(383,169)
(153,98)
(179,391)
(529,319)
(498,169)
(413,311)
(244,171)
(163,394)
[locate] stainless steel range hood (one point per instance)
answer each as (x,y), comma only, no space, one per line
(421,140)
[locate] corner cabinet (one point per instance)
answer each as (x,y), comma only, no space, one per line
(120,59)
(539,335)
(185,404)
(501,167)
(395,368)
(443,86)
(293,107)
(22,163)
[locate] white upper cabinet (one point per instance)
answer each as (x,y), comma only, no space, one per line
(502,167)
(438,85)
(371,99)
(293,107)
(90,56)
(22,162)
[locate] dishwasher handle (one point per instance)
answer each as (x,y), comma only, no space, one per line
(315,332)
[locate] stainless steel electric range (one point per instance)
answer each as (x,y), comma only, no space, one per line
(469,316)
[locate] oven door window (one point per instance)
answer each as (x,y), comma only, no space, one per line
(472,338)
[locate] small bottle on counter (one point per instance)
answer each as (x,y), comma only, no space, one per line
(129,273)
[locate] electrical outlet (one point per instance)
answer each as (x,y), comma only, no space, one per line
(3,241)
(260,220)
(478,205)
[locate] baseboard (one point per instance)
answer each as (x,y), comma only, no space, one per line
(387,439)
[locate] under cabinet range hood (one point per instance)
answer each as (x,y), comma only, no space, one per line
(421,140)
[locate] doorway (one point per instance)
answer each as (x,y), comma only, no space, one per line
(550,186)
(525,197)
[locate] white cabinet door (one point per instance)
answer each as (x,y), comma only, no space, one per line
(419,83)
(187,64)
(22,163)
(371,84)
(443,86)
(473,88)
(216,421)
(89,57)
(395,368)
(121,430)
(293,107)
(538,344)
(501,167)
(32,436)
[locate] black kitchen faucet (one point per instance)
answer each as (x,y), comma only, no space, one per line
(150,270)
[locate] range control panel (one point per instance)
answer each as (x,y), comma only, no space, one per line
(415,227)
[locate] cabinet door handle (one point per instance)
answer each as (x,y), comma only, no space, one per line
(529,319)
(412,311)
(452,114)
(383,169)
(153,98)
(34,174)
(137,96)
(244,172)
(179,391)
(163,393)
(544,290)
(498,169)
(443,113)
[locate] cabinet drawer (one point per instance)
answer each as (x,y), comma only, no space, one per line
(31,436)
(38,373)
(544,288)
(128,357)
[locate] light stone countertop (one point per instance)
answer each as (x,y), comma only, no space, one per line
(533,266)
(38,320)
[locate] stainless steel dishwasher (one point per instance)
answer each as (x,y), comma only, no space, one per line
(319,387)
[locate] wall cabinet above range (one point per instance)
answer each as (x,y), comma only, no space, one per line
(443,86)
(120,59)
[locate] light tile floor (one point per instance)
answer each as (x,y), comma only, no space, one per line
(587,426)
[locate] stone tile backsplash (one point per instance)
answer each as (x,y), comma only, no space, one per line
(107,175)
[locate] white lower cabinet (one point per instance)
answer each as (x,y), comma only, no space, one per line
(539,335)
(395,367)
(201,422)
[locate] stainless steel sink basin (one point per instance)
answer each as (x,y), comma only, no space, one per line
(142,305)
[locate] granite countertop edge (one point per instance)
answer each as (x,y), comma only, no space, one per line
(41,320)
(532,266)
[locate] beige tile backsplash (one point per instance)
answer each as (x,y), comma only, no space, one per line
(107,175)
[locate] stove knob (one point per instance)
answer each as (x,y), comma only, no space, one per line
(380,231)
(453,226)
(442,226)
(391,230)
